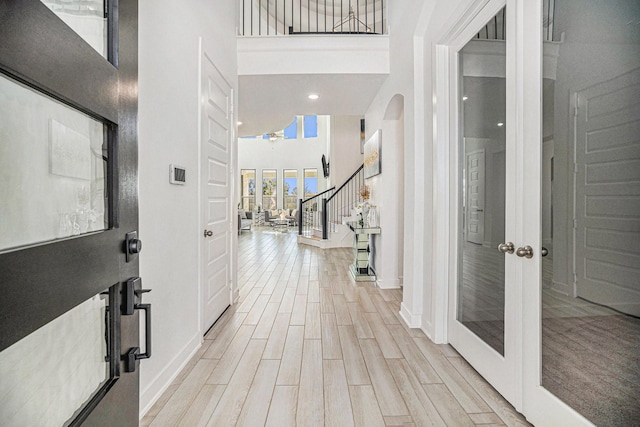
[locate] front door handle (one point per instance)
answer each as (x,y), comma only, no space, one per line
(134,353)
(525,251)
(132,292)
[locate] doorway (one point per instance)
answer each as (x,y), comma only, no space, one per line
(548,313)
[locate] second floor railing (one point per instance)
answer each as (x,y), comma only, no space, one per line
(496,27)
(280,17)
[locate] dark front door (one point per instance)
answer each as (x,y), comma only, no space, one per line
(68,191)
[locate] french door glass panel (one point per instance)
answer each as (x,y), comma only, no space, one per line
(591,211)
(481,274)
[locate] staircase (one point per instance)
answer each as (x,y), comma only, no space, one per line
(322,218)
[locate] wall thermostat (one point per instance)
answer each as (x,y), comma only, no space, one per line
(177,175)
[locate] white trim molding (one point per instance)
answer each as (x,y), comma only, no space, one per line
(412,320)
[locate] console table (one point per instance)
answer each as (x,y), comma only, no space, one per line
(258,218)
(360,269)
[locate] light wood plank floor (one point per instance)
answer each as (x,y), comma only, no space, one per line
(305,345)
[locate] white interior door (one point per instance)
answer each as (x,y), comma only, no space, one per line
(580,301)
(475,181)
(216,127)
(606,203)
(483,286)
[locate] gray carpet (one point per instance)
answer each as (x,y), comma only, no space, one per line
(593,364)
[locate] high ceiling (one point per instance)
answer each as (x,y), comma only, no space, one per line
(268,103)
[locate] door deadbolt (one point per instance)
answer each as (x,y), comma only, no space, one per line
(132,245)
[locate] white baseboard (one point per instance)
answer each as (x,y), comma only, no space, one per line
(412,320)
(426,328)
(389,284)
(561,287)
(163,380)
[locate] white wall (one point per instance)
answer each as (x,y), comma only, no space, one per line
(345,156)
(168,133)
(387,194)
(403,19)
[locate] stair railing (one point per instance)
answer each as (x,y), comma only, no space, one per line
(310,212)
(341,202)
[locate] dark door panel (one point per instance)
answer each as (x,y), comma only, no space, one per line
(40,283)
(43,51)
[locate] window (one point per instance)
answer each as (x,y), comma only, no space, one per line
(310,126)
(248,189)
(310,182)
(290,188)
(269,189)
(291,131)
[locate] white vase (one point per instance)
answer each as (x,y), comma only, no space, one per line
(365,213)
(372,216)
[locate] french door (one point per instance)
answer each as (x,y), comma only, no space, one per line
(483,291)
(544,296)
(68,154)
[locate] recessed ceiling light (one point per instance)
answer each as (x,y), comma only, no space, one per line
(464,98)
(313,96)
(500,124)
(239,123)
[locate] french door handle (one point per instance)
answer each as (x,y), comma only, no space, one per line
(506,248)
(525,251)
